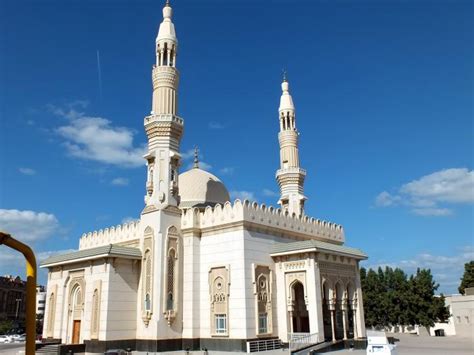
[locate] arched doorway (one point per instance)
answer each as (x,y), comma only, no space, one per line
(77,306)
(300,317)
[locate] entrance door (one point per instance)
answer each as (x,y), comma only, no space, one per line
(300,313)
(76,331)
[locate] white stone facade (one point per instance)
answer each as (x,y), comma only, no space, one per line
(198,271)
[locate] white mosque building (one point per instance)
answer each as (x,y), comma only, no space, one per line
(198,270)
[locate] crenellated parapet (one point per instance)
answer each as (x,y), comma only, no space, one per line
(261,217)
(115,234)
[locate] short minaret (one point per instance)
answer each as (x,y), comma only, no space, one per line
(290,176)
(163,127)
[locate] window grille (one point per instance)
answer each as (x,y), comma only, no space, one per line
(170,288)
(221,323)
(262,323)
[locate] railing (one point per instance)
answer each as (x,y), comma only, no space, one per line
(263,345)
(302,340)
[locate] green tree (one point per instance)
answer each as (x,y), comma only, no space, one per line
(373,297)
(468,277)
(397,289)
(391,298)
(424,307)
(5,326)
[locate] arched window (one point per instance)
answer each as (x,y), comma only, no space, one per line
(165,54)
(51,313)
(147,280)
(77,297)
(147,302)
(171,280)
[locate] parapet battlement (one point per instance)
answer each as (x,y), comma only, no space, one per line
(211,217)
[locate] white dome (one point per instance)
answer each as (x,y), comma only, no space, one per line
(198,188)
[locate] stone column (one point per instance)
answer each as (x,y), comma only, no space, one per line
(281,301)
(290,316)
(344,317)
(332,308)
(315,302)
(359,316)
(353,306)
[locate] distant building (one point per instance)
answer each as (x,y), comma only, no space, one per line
(460,323)
(40,300)
(12,298)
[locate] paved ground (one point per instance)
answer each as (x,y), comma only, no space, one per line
(11,348)
(407,345)
(420,345)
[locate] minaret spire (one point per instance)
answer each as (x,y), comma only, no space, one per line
(290,176)
(163,126)
(196,157)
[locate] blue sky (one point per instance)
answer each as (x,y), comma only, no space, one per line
(383,92)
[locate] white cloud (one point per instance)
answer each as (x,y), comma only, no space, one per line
(215,125)
(269,193)
(385,199)
(187,154)
(27,171)
(129,219)
(446,270)
(95,138)
(242,195)
(449,185)
(432,211)
(227,170)
(424,196)
(28,225)
(120,181)
(13,262)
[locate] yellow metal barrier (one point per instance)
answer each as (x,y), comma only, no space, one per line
(9,241)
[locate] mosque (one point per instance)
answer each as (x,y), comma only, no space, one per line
(198,271)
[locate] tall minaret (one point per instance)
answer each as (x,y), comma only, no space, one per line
(290,176)
(163,127)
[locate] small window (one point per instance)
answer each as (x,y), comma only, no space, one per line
(262,323)
(221,323)
(169,302)
(467,319)
(459,319)
(147,302)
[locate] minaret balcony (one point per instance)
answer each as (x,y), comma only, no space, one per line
(163,118)
(290,171)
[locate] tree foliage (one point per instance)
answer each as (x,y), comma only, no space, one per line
(468,277)
(5,326)
(392,298)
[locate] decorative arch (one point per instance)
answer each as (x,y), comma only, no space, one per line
(262,280)
(172,271)
(147,275)
(51,313)
(76,308)
(351,290)
(299,312)
(340,291)
(219,295)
